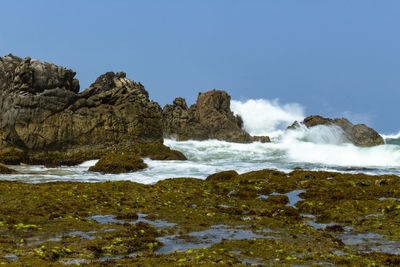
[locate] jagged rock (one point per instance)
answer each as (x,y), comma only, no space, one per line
(118,163)
(359,134)
(41,110)
(210,118)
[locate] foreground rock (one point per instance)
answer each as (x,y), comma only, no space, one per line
(41,110)
(337,219)
(359,134)
(210,118)
(118,163)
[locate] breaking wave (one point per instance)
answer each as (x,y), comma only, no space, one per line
(316,148)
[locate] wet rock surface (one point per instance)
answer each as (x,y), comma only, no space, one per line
(261,217)
(210,118)
(359,134)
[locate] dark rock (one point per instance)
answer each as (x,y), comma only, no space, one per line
(359,134)
(6,170)
(262,139)
(41,110)
(222,176)
(12,156)
(118,163)
(210,118)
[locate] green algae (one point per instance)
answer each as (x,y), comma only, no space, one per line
(47,213)
(118,163)
(155,150)
(12,156)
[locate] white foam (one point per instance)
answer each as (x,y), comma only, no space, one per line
(267,117)
(391,136)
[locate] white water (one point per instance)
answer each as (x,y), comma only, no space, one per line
(318,148)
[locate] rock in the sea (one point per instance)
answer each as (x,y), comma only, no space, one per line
(359,134)
(13,156)
(210,118)
(154,151)
(118,163)
(41,109)
(6,170)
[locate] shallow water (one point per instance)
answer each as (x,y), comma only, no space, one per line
(205,239)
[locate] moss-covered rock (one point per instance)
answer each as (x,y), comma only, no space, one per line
(222,176)
(6,170)
(118,163)
(12,156)
(66,222)
(155,151)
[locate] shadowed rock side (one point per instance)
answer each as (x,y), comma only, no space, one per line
(210,118)
(359,134)
(41,110)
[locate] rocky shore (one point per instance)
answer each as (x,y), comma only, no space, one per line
(262,217)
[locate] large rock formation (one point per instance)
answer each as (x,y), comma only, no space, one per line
(210,118)
(41,109)
(359,134)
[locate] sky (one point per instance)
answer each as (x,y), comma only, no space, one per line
(335,58)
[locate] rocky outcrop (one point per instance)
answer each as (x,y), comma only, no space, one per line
(41,109)
(359,134)
(210,118)
(118,163)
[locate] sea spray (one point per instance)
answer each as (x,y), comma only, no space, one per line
(267,117)
(317,148)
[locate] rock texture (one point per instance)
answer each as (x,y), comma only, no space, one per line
(222,176)
(41,109)
(359,134)
(210,118)
(118,163)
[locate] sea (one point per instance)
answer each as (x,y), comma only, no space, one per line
(318,148)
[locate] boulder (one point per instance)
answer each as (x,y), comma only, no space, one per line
(118,163)
(41,109)
(210,118)
(359,134)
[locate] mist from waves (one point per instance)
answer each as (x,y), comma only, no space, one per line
(317,148)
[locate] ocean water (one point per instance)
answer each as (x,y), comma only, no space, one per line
(318,148)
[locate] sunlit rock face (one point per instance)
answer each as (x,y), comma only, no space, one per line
(41,109)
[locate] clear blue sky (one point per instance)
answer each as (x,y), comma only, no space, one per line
(333,57)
